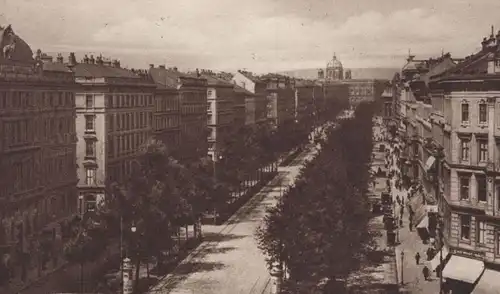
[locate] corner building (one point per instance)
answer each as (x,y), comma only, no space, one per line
(37,152)
(114,117)
(470,96)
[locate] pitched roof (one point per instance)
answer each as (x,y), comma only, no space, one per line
(102,71)
(55,66)
(215,81)
(239,89)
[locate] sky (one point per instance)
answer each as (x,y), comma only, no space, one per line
(257,35)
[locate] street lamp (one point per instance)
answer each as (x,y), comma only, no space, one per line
(133,229)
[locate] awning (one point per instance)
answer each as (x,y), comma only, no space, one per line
(424,223)
(463,269)
(437,259)
(430,162)
(489,283)
(416,201)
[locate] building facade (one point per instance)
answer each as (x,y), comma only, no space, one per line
(452,105)
(280,98)
(114,117)
(256,105)
(304,100)
(220,112)
(167,113)
(37,152)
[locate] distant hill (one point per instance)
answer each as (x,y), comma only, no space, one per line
(357,73)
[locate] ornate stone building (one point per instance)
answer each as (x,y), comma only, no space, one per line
(114,117)
(37,152)
(359,89)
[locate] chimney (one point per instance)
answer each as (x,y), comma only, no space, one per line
(175,68)
(99,60)
(72,59)
(198,73)
(116,63)
(60,59)
(86,59)
(106,62)
(151,65)
(92,60)
(161,66)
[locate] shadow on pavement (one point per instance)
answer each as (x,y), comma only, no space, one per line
(183,271)
(216,250)
(218,237)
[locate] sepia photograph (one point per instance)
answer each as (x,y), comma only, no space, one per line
(249,147)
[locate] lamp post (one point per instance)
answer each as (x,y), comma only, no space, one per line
(402,266)
(439,157)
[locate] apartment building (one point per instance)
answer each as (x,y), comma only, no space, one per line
(304,99)
(256,104)
(220,112)
(37,151)
(114,117)
(464,120)
(280,98)
(167,113)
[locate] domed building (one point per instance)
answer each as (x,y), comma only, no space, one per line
(334,70)
(37,149)
(13,48)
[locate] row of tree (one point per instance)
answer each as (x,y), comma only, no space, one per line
(315,235)
(162,195)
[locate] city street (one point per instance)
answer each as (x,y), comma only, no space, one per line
(410,274)
(228,261)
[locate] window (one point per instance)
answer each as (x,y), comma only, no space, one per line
(464,187)
(90,176)
(481,232)
(210,93)
(90,148)
(465,221)
(483,113)
(89,101)
(89,123)
(464,149)
(483,150)
(465,112)
(481,188)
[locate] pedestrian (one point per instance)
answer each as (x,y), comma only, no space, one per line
(426,273)
(398,200)
(429,253)
(401,222)
(417,258)
(411,225)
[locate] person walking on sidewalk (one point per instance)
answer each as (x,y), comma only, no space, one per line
(417,258)
(425,272)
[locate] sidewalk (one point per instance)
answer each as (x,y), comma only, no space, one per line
(410,274)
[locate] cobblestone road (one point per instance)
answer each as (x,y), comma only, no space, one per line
(228,261)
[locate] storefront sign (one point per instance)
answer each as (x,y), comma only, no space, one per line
(467,253)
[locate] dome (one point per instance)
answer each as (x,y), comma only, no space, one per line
(334,63)
(14,48)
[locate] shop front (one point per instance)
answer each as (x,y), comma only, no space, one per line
(489,283)
(462,271)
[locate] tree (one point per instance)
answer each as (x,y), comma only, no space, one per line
(319,229)
(87,242)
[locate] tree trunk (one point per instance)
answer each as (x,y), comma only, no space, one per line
(137,268)
(82,287)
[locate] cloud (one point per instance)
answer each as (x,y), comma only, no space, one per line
(260,35)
